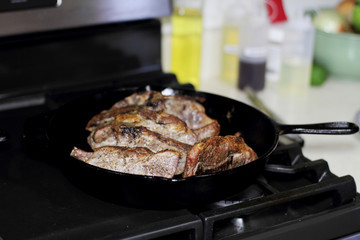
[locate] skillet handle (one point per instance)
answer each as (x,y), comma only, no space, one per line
(335,128)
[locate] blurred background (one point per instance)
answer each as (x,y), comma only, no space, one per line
(208,39)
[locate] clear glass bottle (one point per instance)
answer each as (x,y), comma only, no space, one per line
(230,44)
(186,41)
(296,57)
(253,47)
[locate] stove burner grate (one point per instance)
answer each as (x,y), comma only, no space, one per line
(291,190)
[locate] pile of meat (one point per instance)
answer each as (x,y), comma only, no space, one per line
(151,134)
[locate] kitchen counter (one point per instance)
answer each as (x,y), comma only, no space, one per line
(336,100)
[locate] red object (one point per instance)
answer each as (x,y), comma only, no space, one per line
(275,11)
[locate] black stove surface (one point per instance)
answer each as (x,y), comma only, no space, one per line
(39,202)
(293,197)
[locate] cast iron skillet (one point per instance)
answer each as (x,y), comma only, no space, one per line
(66,129)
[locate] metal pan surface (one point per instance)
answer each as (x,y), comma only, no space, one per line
(66,129)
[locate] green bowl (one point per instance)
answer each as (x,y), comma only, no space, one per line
(339,53)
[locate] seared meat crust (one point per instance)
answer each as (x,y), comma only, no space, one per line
(107,117)
(193,114)
(218,153)
(160,122)
(184,108)
(144,129)
(210,130)
(126,135)
(140,161)
(188,110)
(151,100)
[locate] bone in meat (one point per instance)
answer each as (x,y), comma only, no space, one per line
(185,108)
(130,136)
(140,161)
(216,154)
(151,100)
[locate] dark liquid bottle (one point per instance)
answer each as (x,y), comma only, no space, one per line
(252,73)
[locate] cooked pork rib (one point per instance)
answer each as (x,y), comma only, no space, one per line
(162,123)
(186,109)
(150,134)
(126,135)
(193,114)
(218,153)
(152,99)
(210,130)
(140,161)
(106,117)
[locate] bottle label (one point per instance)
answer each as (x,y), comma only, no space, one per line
(276,12)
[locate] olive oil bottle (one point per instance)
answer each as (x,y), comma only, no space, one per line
(186,41)
(230,54)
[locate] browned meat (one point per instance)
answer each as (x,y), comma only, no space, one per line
(140,161)
(210,130)
(126,135)
(216,154)
(193,114)
(162,123)
(185,108)
(137,135)
(151,100)
(188,110)
(107,117)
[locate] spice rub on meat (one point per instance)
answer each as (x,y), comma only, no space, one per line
(130,136)
(148,130)
(163,123)
(217,154)
(151,100)
(140,161)
(184,108)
